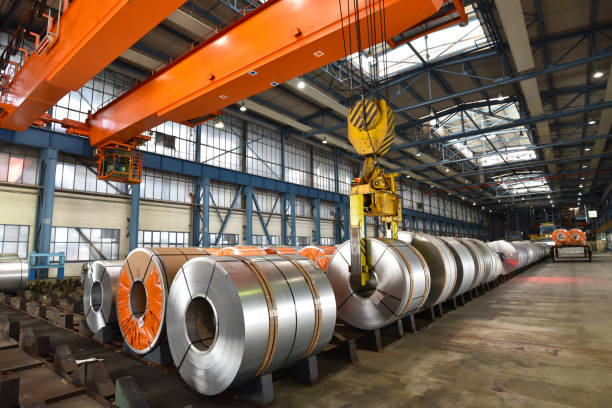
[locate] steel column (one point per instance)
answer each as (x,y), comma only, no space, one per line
(248,228)
(134,216)
(293,223)
(316,209)
(44,208)
(205,241)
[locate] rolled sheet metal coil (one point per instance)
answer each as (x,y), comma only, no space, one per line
(492,262)
(560,236)
(441,265)
(466,269)
(399,286)
(241,250)
(479,261)
(517,261)
(13,273)
(100,293)
(323,262)
(233,318)
(315,252)
(142,293)
(576,237)
(281,250)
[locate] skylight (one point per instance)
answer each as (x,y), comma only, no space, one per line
(488,149)
(435,46)
(523,184)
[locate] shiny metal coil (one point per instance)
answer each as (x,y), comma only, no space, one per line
(441,264)
(142,293)
(399,286)
(100,293)
(493,265)
(232,318)
(466,269)
(13,273)
(478,258)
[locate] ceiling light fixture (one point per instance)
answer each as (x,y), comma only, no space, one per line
(591,122)
(243,107)
(418,154)
(219,122)
(580,186)
(580,193)
(584,166)
(473,203)
(587,149)
(301,84)
(548,196)
(447,170)
(597,74)
(324,141)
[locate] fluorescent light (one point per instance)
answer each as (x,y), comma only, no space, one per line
(584,166)
(597,74)
(591,122)
(587,149)
(301,84)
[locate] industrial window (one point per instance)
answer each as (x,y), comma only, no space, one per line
(268,201)
(226,239)
(85,244)
(301,241)
(328,241)
(347,170)
(14,239)
(18,166)
(323,171)
(74,174)
(263,240)
(222,195)
(97,92)
(172,139)
(160,185)
(327,211)
(164,239)
(303,207)
(298,163)
(263,152)
(223,147)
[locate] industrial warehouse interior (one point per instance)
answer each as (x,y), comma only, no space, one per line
(322,203)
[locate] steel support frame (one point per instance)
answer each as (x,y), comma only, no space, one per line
(134,216)
(44,206)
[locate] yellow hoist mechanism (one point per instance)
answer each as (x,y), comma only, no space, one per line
(371,129)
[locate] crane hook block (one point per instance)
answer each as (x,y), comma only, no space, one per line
(371,127)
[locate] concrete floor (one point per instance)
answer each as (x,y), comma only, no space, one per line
(543,339)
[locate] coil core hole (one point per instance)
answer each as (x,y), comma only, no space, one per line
(201,323)
(96,296)
(138,299)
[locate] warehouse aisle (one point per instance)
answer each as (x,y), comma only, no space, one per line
(543,339)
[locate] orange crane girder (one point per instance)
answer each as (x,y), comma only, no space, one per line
(91,36)
(278,41)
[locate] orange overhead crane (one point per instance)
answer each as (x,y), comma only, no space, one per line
(87,36)
(278,41)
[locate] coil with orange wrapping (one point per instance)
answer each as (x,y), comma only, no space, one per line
(315,252)
(281,250)
(212,251)
(576,236)
(241,250)
(142,293)
(323,261)
(560,236)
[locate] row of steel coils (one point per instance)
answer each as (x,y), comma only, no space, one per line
(227,319)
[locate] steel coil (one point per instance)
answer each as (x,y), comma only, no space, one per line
(466,269)
(492,262)
(441,264)
(517,260)
(479,261)
(100,293)
(233,318)
(399,286)
(13,273)
(142,293)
